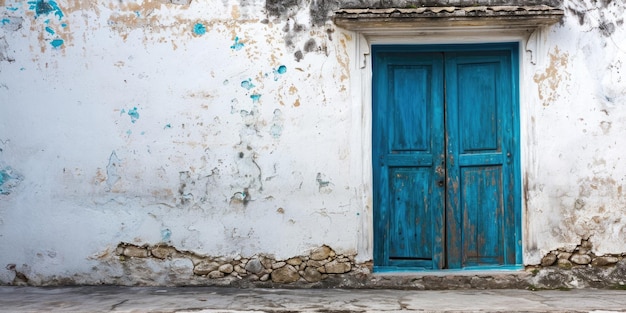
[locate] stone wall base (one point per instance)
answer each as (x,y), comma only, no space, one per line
(164,265)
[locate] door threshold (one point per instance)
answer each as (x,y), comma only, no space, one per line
(467,271)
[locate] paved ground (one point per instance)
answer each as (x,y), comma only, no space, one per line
(229,300)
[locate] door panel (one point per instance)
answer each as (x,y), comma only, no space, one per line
(444,134)
(409,159)
(478,100)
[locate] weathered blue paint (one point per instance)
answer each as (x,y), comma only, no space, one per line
(9,179)
(199,29)
(50,30)
(56,43)
(281,69)
(63,25)
(446,174)
(12,8)
(247,84)
(134,114)
(42,7)
(167,126)
(237,45)
(255,97)
(5,21)
(166,235)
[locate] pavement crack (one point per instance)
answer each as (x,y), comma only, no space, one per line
(114,307)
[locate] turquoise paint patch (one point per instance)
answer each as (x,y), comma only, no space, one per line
(137,13)
(63,25)
(22,69)
(167,126)
(5,21)
(255,97)
(281,69)
(42,7)
(129,132)
(166,234)
(134,115)
(12,9)
(56,43)
(199,29)
(247,84)
(237,45)
(50,30)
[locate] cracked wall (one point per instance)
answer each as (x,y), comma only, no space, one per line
(233,129)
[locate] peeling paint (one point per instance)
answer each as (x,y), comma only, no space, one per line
(43,7)
(9,180)
(199,29)
(548,83)
(237,45)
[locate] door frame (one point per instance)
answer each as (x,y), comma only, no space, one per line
(529,42)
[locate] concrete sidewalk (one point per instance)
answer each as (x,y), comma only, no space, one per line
(230,300)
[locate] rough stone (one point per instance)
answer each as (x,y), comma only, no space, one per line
(294,261)
(564,263)
(548,260)
(163,252)
(226,268)
(311,275)
(254,266)
(312,263)
(135,252)
(321,269)
(265,277)
(267,262)
(285,275)
(580,259)
(564,255)
(604,261)
(239,269)
(216,274)
(278,265)
(335,267)
(320,253)
(205,267)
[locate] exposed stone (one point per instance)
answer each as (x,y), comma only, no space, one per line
(226,268)
(312,263)
(254,266)
(548,260)
(205,267)
(564,263)
(294,261)
(311,275)
(267,262)
(239,269)
(278,265)
(586,244)
(580,259)
(163,252)
(135,252)
(265,277)
(302,266)
(335,267)
(604,261)
(321,269)
(284,275)
(321,253)
(564,255)
(216,274)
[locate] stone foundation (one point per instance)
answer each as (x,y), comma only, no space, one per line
(565,268)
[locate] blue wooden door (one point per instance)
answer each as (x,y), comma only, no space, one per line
(445,156)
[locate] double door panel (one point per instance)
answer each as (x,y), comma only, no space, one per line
(444,158)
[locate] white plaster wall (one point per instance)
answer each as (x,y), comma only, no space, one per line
(575,133)
(79,176)
(86,175)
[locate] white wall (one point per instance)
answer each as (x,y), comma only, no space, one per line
(81,174)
